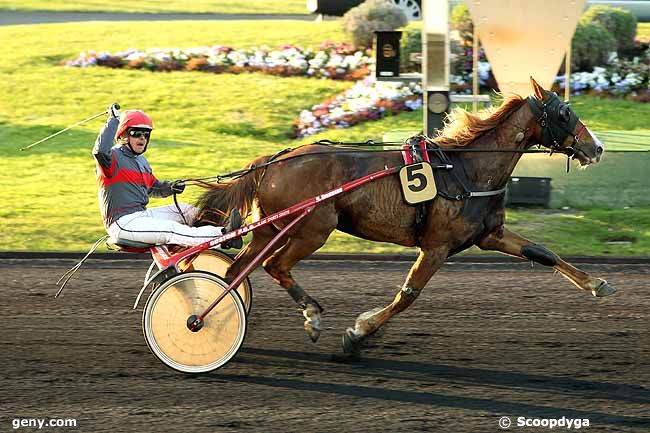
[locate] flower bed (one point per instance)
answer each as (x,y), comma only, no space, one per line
(366,100)
(371,100)
(334,61)
(461,73)
(620,78)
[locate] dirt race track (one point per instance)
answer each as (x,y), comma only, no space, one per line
(480,343)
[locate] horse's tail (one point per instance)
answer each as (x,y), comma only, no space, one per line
(215,204)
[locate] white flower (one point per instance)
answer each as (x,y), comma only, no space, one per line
(335,61)
(306,116)
(612,57)
(414,104)
(484,69)
(362,99)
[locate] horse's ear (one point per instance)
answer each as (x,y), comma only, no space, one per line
(538,90)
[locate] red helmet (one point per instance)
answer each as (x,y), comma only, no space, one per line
(133,119)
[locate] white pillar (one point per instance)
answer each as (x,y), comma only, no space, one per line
(435,63)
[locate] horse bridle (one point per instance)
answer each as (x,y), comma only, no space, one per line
(552,116)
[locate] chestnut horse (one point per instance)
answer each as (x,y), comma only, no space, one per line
(377,211)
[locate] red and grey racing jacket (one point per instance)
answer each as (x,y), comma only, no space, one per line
(124,179)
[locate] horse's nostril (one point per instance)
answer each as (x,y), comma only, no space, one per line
(599,150)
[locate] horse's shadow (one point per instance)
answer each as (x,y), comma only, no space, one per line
(577,389)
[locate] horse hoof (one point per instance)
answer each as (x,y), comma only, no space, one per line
(313,332)
(312,324)
(603,289)
(351,343)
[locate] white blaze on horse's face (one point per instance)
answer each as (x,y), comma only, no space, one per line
(599,144)
(589,149)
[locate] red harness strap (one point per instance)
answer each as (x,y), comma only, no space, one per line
(409,151)
(583,129)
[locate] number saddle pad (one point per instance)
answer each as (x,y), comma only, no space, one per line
(448,183)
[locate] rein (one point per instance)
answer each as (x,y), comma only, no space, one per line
(446,149)
(254,167)
(440,152)
(549,130)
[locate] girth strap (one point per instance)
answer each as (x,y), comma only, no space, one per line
(486,193)
(414,151)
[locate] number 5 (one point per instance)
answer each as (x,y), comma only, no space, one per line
(418,183)
(413,174)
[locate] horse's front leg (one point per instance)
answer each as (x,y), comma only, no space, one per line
(503,240)
(428,262)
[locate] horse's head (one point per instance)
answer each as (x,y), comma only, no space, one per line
(560,129)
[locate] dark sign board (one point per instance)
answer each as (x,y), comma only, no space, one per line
(387,54)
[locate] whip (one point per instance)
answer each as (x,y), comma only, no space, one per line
(116,106)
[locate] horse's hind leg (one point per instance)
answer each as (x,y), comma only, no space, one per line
(428,262)
(505,241)
(302,244)
(261,237)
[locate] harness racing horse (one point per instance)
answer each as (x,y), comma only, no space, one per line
(378,212)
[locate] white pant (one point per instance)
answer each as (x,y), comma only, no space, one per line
(163,225)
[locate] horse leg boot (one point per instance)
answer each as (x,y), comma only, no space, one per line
(311,310)
(428,262)
(278,266)
(505,241)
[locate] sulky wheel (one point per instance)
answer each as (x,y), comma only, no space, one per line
(218,262)
(166,330)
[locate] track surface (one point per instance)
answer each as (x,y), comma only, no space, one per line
(481,342)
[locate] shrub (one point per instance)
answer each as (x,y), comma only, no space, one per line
(411,43)
(361,23)
(619,22)
(591,46)
(461,22)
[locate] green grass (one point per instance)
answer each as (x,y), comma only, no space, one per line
(618,123)
(587,232)
(617,232)
(158,6)
(206,124)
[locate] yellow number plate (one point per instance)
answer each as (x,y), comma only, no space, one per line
(418,184)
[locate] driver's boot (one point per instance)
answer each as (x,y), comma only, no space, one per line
(233,222)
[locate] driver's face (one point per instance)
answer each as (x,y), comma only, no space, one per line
(138,144)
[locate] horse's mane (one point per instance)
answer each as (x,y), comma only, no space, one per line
(462,127)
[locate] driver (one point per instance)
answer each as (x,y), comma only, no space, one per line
(126,181)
